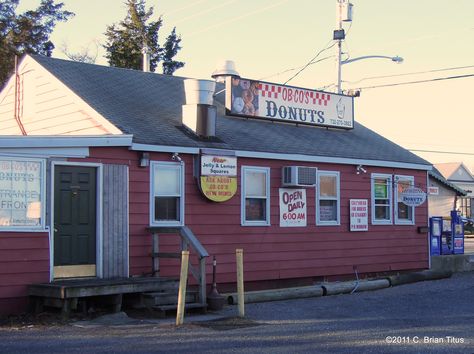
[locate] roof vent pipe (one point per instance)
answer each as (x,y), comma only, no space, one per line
(199,115)
(225,68)
(146,58)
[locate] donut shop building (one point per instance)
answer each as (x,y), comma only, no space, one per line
(96,161)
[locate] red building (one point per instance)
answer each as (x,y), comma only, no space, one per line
(91,157)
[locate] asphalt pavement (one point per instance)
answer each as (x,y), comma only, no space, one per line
(425,317)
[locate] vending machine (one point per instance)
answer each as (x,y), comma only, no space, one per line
(447,244)
(458,232)
(436,225)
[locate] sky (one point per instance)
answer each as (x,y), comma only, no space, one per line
(267,38)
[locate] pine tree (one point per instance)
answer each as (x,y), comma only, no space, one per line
(28,32)
(126,40)
(171,48)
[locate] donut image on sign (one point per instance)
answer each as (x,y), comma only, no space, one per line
(245,97)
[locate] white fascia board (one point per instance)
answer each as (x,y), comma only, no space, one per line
(291,157)
(64,141)
(111,128)
(335,160)
(165,148)
(79,152)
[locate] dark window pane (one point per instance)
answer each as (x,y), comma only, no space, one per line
(404,212)
(382,212)
(255,209)
(328,210)
(167,208)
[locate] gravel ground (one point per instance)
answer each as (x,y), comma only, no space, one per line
(426,317)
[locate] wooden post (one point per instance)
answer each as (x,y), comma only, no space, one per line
(240,281)
(183,279)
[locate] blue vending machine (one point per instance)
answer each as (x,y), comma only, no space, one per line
(446,244)
(458,232)
(436,225)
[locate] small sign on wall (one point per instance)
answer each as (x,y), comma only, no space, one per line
(218,181)
(359,212)
(293,207)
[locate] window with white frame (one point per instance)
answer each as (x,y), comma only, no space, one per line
(381,198)
(328,199)
(22,194)
(167,194)
(404,214)
(255,196)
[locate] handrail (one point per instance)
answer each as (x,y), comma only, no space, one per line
(188,238)
(192,240)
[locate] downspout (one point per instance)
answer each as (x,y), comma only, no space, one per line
(16,110)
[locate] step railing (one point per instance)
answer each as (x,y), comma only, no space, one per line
(190,242)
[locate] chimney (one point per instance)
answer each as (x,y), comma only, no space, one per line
(146,58)
(199,114)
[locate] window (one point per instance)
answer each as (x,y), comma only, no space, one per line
(255,196)
(22,190)
(381,199)
(327,195)
(464,205)
(404,214)
(167,194)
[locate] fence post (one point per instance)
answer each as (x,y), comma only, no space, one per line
(183,279)
(240,281)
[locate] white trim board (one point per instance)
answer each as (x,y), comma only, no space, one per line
(65,141)
(291,157)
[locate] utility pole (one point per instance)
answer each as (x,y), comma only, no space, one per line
(343,14)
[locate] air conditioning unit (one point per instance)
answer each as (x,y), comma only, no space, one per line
(298,176)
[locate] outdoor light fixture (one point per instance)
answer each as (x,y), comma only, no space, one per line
(176,157)
(144,159)
(360,169)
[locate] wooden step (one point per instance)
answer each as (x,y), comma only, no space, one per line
(189,306)
(166,298)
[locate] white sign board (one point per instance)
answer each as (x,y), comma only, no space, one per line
(359,212)
(20,193)
(433,190)
(412,196)
(290,104)
(293,207)
(212,165)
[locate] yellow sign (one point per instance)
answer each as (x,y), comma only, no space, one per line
(218,188)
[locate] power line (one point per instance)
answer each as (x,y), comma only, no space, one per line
(443,152)
(416,82)
(412,73)
(311,61)
(293,69)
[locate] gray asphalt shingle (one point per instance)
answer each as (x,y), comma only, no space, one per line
(148,105)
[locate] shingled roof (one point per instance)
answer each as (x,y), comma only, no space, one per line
(148,105)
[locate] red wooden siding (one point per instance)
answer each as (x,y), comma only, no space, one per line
(24,259)
(271,252)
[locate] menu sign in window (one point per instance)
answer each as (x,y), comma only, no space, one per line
(21,182)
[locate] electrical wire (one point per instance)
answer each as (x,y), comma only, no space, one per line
(412,73)
(415,82)
(443,152)
(293,69)
(311,61)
